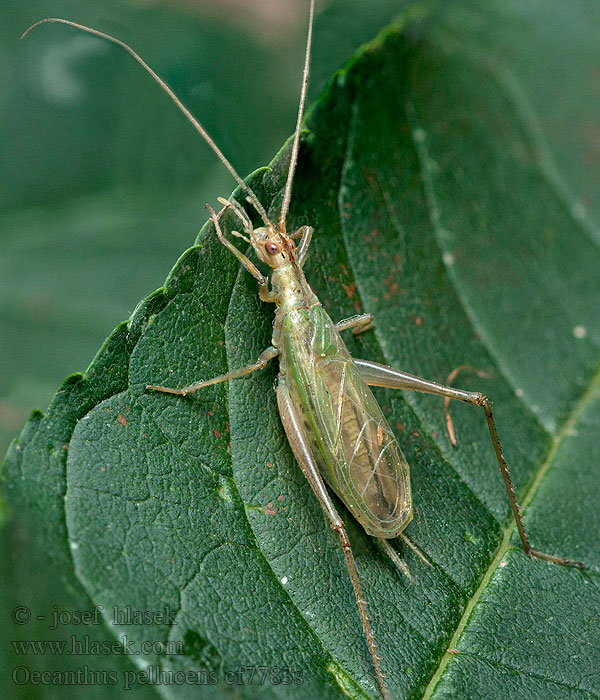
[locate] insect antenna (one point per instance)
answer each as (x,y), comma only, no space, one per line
(190,117)
(287,195)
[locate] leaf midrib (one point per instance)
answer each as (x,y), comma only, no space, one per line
(557,441)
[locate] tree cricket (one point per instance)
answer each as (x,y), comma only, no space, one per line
(336,429)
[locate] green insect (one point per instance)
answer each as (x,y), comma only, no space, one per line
(333,423)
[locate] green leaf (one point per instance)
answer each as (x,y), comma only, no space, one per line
(442,206)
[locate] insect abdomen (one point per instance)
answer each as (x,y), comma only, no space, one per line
(358,455)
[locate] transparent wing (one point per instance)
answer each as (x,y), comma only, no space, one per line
(357,452)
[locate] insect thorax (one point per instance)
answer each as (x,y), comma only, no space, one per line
(291,289)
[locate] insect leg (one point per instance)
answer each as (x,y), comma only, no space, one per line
(449,381)
(270,353)
(263,281)
(359,323)
(297,438)
(376,374)
(241,214)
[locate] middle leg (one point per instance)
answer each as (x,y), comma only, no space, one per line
(265,357)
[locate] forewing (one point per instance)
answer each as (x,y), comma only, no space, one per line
(354,446)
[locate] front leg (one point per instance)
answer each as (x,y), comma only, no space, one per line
(376,374)
(264,293)
(263,282)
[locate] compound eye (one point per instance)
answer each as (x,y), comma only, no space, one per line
(272,248)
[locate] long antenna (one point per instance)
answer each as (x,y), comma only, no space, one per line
(195,123)
(287,195)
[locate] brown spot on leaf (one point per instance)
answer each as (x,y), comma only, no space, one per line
(270,510)
(122,420)
(350,289)
(391,285)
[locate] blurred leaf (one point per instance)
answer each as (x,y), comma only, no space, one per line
(437,210)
